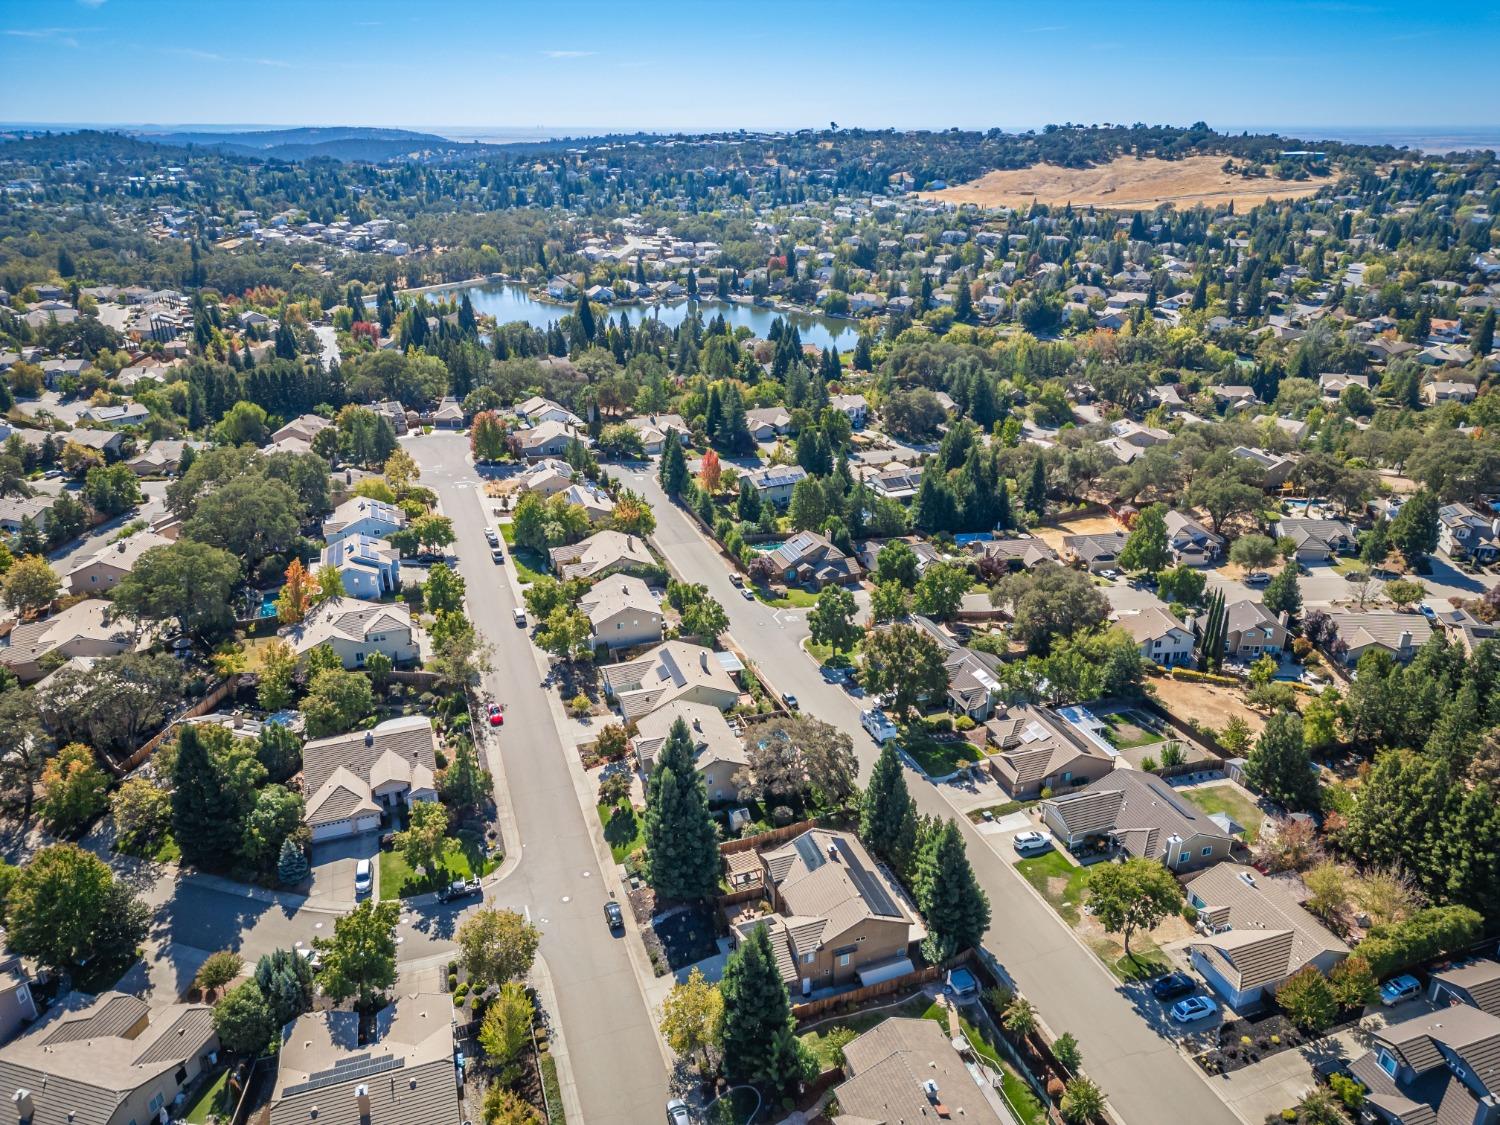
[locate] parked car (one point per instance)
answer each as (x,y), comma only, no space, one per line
(1173,986)
(836,675)
(614,917)
(747,593)
(363,878)
(497,556)
(1257,578)
(520,618)
(791,701)
(1399,989)
(496,715)
(1110,574)
(1193,1008)
(677,1113)
(460,889)
(736,580)
(1428,612)
(1031,843)
(491,537)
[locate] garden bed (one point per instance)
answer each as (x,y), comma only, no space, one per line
(1266,1036)
(687,936)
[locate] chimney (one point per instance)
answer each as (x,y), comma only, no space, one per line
(369,738)
(1405,642)
(362,1097)
(25,1107)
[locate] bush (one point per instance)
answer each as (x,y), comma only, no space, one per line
(1190,914)
(1194,676)
(964,723)
(1347,1090)
(452,982)
(1425,935)
(579,704)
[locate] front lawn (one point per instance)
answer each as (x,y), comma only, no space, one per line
(939,759)
(789,599)
(214,1098)
(624,829)
(997,811)
(1232,803)
(1058,881)
(824,654)
(529,565)
(464,859)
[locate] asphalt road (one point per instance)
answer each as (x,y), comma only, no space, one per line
(611,1038)
(1125,1048)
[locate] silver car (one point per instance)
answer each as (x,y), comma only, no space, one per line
(678,1113)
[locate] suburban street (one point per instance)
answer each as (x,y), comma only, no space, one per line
(1123,1042)
(611,1036)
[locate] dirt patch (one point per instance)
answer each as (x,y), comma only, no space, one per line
(1125,184)
(1052,534)
(1205,704)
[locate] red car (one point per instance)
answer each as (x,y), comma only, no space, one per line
(496,714)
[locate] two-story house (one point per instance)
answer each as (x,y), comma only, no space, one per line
(1465,534)
(1437,1069)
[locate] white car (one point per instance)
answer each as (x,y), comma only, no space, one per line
(1031,843)
(1397,990)
(363,878)
(520,618)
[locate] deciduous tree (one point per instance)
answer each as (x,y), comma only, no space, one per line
(497,945)
(360,959)
(1136,894)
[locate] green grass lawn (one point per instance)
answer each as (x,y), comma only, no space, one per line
(1232,803)
(791,599)
(215,1097)
(624,831)
(529,565)
(463,859)
(1126,730)
(997,811)
(1020,1096)
(1058,881)
(939,759)
(823,654)
(1146,961)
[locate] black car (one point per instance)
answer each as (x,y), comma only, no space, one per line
(1172,986)
(460,889)
(613,915)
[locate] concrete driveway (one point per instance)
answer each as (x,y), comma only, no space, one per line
(333,864)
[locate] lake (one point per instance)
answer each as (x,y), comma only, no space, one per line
(509,301)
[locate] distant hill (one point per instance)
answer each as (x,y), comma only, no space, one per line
(336,142)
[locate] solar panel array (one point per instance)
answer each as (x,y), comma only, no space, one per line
(871,889)
(347,1070)
(807,848)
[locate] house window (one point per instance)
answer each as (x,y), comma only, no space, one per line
(1208,850)
(807,958)
(843,960)
(1387,1062)
(157,1101)
(181,1076)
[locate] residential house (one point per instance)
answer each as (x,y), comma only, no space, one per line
(1234,397)
(869,553)
(1399,634)
(1464,629)
(906,1069)
(297,435)
(1018,554)
(1317,540)
(602,554)
(595,502)
(1448,390)
(1438,1068)
(1141,815)
(623,612)
(656,429)
(561,289)
(537,410)
(370,567)
(355,629)
(54,371)
(17,1005)
(894,481)
(110,1059)
(837,917)
(767,423)
(353,780)
(1255,934)
(332,1071)
(159,459)
(16,510)
(545,439)
(449,415)
(1251,631)
(85,628)
(109,443)
(1274,469)
(1035,749)
(1465,534)
(1162,638)
(546,477)
(105,567)
(673,670)
(811,559)
(127,414)
(1190,542)
(973,676)
(1475,983)
(1332,384)
(853,407)
(1130,439)
(774,483)
(719,753)
(1096,552)
(361,515)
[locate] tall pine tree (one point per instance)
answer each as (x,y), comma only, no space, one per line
(682,845)
(757,1031)
(887,814)
(956,910)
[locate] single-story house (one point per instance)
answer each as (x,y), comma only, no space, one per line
(673,670)
(355,629)
(1035,749)
(774,483)
(1317,540)
(894,481)
(353,779)
(1097,552)
(103,570)
(86,628)
(1273,468)
(1475,983)
(546,477)
(1018,554)
(720,753)
(603,553)
(360,515)
(159,459)
(545,439)
(655,429)
(1141,815)
(767,423)
(906,1069)
(622,611)
(1255,934)
(1399,634)
(370,567)
(537,410)
(1437,1068)
(16,510)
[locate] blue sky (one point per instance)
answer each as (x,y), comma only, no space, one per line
(755,64)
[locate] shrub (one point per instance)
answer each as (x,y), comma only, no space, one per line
(452,982)
(579,704)
(963,723)
(1347,1090)
(1190,914)
(1425,935)
(1192,675)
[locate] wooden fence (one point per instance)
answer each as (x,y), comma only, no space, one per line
(210,702)
(767,839)
(854,998)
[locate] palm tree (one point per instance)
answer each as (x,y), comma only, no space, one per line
(1082,1101)
(1019,1018)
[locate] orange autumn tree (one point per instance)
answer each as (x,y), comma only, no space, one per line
(709,472)
(296,596)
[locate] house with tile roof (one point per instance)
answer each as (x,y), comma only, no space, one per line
(811,559)
(403,1074)
(110,1059)
(86,628)
(1034,748)
(1439,1068)
(1251,630)
(1255,934)
(1141,815)
(908,1070)
(719,752)
(1475,983)
(104,569)
(354,629)
(623,612)
(353,779)
(673,670)
(361,515)
(837,917)
(1317,540)
(601,554)
(1399,634)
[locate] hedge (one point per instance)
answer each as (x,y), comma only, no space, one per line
(1430,933)
(1194,676)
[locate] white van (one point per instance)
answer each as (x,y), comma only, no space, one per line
(363,877)
(879,725)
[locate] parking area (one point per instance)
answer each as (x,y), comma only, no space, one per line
(333,865)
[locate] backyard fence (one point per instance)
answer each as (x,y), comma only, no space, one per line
(847,1001)
(210,701)
(767,839)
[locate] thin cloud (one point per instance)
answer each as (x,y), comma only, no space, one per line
(279,63)
(92,3)
(194,53)
(569,54)
(63,36)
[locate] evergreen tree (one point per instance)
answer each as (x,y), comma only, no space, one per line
(673,472)
(585,312)
(963,303)
(1146,547)
(211,796)
(956,910)
(887,814)
(682,849)
(1284,595)
(1279,766)
(757,1030)
(1484,335)
(291,865)
(1414,531)
(1036,490)
(285,978)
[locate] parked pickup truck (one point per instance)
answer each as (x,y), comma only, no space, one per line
(460,889)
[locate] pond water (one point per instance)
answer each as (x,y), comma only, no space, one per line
(509,301)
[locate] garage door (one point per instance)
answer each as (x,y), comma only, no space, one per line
(333,830)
